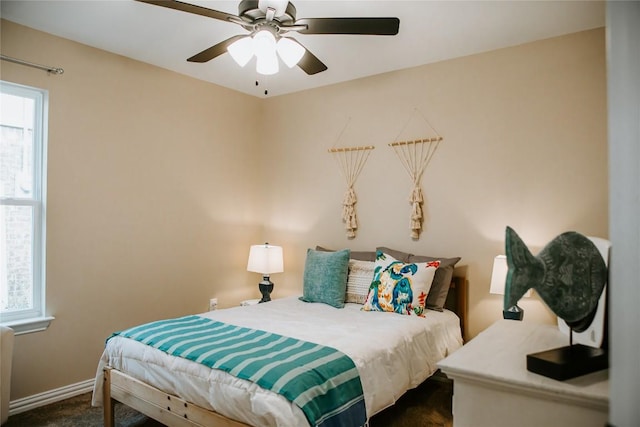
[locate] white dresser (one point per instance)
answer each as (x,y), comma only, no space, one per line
(492,387)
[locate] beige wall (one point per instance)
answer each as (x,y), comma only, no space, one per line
(158,183)
(525,145)
(151,200)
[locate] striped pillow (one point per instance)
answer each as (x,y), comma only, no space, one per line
(359,280)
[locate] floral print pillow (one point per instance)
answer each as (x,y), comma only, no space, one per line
(400,287)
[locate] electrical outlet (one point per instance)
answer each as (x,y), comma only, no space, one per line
(213,304)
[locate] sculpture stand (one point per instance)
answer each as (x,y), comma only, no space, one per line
(568,362)
(513,313)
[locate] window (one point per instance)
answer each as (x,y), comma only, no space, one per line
(23,130)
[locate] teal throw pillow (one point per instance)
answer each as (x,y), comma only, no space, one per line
(325,277)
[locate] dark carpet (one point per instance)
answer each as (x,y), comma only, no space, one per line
(428,405)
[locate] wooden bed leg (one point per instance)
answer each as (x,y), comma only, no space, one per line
(107,402)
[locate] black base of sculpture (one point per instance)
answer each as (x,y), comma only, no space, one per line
(513,313)
(568,362)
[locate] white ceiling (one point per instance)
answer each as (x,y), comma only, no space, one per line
(430,31)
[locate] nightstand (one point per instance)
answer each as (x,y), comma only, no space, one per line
(250,302)
(492,387)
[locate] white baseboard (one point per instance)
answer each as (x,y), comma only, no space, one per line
(41,399)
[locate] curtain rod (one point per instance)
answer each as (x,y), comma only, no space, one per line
(52,70)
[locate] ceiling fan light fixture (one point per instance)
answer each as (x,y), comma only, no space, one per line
(267,64)
(241,50)
(267,21)
(290,51)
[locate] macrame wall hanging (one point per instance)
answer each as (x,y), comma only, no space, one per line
(351,161)
(415,155)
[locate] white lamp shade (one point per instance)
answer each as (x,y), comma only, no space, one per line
(499,276)
(264,48)
(241,50)
(265,259)
(290,51)
(267,64)
(264,43)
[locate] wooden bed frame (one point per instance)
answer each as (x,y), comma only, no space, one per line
(176,412)
(457,301)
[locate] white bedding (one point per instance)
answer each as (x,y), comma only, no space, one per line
(393,353)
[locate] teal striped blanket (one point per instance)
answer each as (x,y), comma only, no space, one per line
(323,382)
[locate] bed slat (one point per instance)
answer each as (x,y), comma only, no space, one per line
(165,408)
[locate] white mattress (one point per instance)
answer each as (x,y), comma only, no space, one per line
(393,353)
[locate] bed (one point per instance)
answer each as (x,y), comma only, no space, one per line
(392,353)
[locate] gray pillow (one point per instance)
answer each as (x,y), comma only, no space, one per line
(441,282)
(359,255)
(325,277)
(399,255)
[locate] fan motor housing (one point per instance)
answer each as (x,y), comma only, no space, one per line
(250,12)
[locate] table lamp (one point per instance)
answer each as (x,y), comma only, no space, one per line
(498,280)
(265,259)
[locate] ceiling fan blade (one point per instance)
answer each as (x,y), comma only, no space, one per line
(370,26)
(310,64)
(192,8)
(216,50)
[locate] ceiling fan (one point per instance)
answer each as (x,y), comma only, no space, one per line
(268,22)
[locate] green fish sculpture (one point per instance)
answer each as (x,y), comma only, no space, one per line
(569,274)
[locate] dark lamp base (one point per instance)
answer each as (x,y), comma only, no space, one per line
(266,286)
(568,362)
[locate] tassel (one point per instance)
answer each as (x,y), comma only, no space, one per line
(349,212)
(416,200)
(349,197)
(416,195)
(416,212)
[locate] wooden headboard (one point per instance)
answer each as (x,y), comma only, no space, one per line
(457,298)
